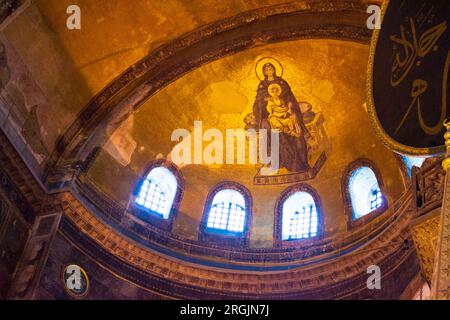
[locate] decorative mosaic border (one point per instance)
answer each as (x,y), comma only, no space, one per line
(292,177)
(183,280)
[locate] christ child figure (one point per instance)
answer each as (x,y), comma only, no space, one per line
(281,116)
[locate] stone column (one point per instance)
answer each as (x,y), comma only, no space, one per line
(34,257)
(441,275)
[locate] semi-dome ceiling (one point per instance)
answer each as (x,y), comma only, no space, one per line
(328,74)
(133,75)
(76,65)
(208,74)
(115,34)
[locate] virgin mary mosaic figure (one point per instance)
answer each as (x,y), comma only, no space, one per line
(276,107)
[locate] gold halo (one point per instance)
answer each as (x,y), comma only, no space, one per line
(261,62)
(274,85)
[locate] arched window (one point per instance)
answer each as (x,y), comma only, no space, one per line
(411,162)
(297,215)
(158,194)
(300,218)
(227,211)
(227,214)
(158,191)
(365,192)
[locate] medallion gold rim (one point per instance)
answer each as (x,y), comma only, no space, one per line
(379,130)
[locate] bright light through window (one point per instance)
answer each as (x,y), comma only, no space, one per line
(227,211)
(365,192)
(158,191)
(300,218)
(413,162)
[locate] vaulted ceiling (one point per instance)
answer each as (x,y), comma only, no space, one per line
(95,106)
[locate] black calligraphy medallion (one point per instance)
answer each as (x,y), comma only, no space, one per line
(409,80)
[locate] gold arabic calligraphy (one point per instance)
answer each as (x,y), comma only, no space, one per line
(403,63)
(413,49)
